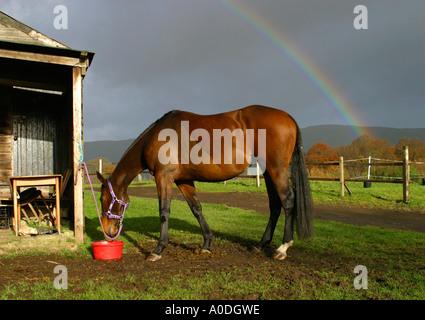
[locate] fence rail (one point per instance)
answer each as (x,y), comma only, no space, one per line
(405,164)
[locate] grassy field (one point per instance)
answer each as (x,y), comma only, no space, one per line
(380,195)
(395,260)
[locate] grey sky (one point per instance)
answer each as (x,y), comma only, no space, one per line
(153,56)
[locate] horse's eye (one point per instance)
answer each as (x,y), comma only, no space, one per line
(101,199)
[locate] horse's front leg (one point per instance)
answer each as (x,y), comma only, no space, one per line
(163,238)
(187,188)
(165,190)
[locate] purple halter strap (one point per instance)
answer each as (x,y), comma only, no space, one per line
(109,213)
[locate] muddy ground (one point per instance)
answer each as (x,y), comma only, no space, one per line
(186,259)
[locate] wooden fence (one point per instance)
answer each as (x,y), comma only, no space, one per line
(405,180)
(342,164)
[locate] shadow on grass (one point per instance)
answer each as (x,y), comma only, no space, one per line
(149,228)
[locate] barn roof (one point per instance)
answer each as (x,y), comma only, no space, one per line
(15,35)
(15,31)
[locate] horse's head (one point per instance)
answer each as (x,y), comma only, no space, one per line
(114,202)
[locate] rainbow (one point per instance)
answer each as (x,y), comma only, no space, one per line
(280,42)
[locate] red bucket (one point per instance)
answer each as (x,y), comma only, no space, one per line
(107,250)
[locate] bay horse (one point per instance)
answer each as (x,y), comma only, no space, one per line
(157,149)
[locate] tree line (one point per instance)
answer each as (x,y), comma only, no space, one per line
(364,147)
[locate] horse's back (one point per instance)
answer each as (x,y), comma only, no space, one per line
(265,117)
(251,117)
(279,128)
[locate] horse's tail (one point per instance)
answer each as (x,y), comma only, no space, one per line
(303,203)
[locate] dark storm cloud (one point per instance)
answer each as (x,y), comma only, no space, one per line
(158,55)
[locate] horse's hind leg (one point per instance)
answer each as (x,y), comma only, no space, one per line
(275,205)
(280,195)
(288,236)
(187,188)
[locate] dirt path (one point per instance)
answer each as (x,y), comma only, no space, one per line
(414,221)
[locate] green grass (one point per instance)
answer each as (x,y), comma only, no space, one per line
(380,195)
(144,212)
(395,260)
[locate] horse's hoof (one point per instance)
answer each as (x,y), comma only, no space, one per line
(281,251)
(207,251)
(153,257)
(280,256)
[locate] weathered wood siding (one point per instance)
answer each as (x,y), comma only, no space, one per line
(39,134)
(6,144)
(8,33)
(34,135)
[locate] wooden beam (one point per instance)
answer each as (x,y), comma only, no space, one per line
(356,180)
(45,58)
(32,84)
(348,189)
(77,140)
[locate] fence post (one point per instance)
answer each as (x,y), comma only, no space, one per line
(368,168)
(100,169)
(406,174)
(341,176)
(258,174)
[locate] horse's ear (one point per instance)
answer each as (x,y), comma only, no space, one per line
(100,177)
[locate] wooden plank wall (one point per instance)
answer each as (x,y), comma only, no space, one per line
(6,145)
(41,146)
(36,149)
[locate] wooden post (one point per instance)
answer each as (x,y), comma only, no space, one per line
(78,139)
(258,174)
(348,189)
(100,169)
(368,168)
(406,174)
(341,176)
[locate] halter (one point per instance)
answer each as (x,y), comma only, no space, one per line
(109,213)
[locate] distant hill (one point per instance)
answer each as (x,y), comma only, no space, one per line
(112,150)
(333,135)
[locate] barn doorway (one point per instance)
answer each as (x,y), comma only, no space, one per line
(40,135)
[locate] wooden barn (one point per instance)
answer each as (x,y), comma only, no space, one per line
(41,121)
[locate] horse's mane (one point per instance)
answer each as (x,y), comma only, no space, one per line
(145,132)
